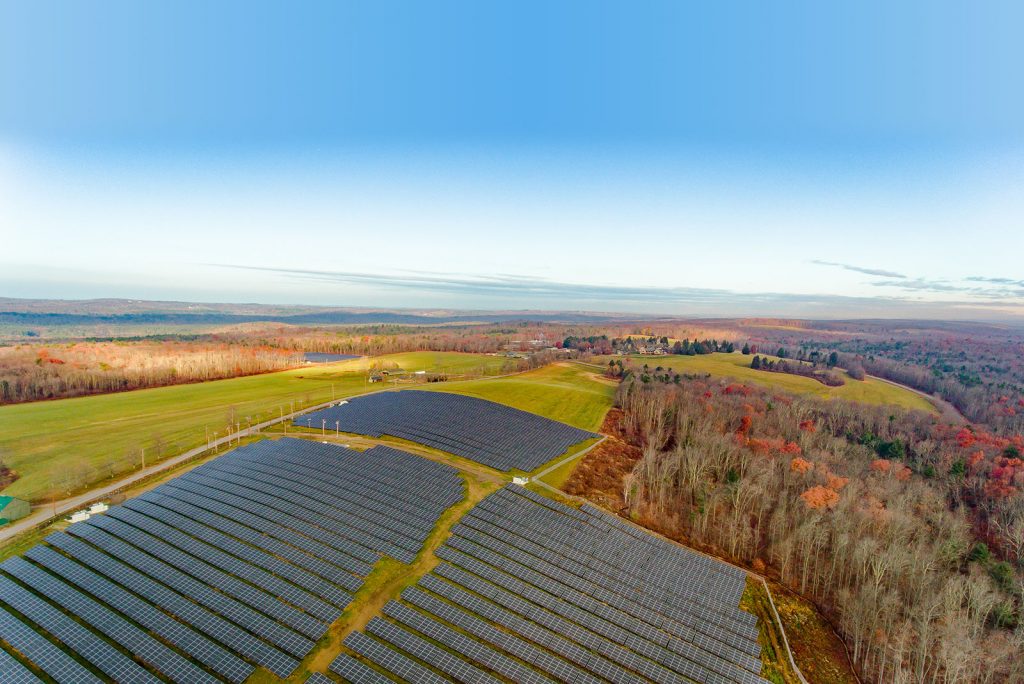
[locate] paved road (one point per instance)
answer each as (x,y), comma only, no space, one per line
(48,511)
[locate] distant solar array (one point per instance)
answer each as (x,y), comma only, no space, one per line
(318,357)
(243,561)
(483,431)
(533,591)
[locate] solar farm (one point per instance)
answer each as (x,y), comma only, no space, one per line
(244,561)
(530,590)
(483,431)
(250,566)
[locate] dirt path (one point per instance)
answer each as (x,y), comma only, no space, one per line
(946,409)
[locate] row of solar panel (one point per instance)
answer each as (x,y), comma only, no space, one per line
(601,579)
(370,466)
(275,495)
(495,435)
(577,601)
(377,477)
(504,443)
(209,574)
(688,598)
(598,563)
(593,516)
(567,607)
(502,605)
(655,563)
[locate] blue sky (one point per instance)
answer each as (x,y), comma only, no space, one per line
(736,158)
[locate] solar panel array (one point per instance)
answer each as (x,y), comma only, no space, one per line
(483,431)
(320,357)
(530,590)
(241,562)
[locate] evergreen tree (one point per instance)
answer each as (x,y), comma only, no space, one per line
(746,350)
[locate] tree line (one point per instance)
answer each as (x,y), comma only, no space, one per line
(909,533)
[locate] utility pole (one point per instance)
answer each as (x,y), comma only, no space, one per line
(323,427)
(337,429)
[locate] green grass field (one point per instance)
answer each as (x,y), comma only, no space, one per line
(566,392)
(67,445)
(737,366)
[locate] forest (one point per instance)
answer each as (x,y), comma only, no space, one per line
(33,371)
(907,532)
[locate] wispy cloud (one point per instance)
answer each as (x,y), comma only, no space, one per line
(995,281)
(528,292)
(922,285)
(860,269)
(503,284)
(991,289)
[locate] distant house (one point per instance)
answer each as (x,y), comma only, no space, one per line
(376,378)
(12,509)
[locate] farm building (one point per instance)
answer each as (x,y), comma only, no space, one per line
(12,509)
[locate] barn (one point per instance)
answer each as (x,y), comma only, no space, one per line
(12,509)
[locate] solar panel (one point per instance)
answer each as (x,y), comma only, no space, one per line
(155,541)
(318,678)
(391,660)
(489,433)
(253,565)
(242,615)
(206,621)
(351,670)
(105,621)
(185,638)
(47,657)
(468,647)
(85,643)
(426,652)
(13,672)
(534,591)
(244,560)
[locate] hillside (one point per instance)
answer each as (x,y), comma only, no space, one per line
(737,366)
